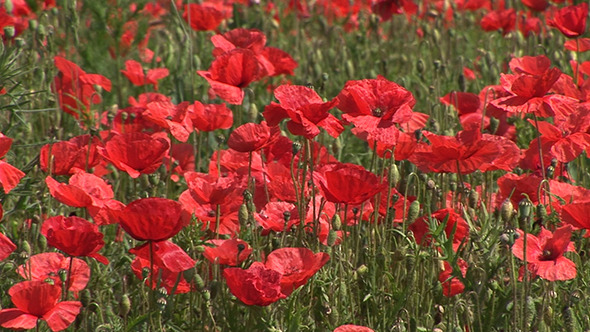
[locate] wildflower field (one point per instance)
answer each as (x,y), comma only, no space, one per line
(296,165)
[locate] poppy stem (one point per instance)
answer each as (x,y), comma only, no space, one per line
(68,279)
(540,146)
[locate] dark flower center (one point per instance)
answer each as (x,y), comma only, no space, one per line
(377,112)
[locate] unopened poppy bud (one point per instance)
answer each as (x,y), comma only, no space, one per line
(26,247)
(8,6)
(336,222)
(247,195)
(42,243)
(145,272)
(349,68)
(363,269)
(161,303)
(395,176)
(189,274)
(453,186)
(206,295)
(414,211)
(420,66)
(85,297)
(41,30)
(63,275)
(332,237)
(296,147)
(287,215)
(124,305)
(542,212)
(243,214)
(198,280)
(200,249)
(473,198)
(253,112)
(524,208)
(20,43)
(506,210)
(9,31)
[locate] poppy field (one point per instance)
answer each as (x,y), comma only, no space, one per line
(297,165)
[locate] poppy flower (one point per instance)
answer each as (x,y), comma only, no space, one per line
(570,20)
(257,285)
(182,160)
(135,153)
(165,254)
(74,236)
(153,219)
(36,300)
(232,71)
(454,223)
(352,328)
(544,253)
(465,153)
(499,19)
(306,110)
(296,266)
(69,157)
(576,214)
(346,183)
(48,265)
(210,117)
(167,279)
(172,117)
(206,213)
(452,285)
(10,176)
(203,17)
(252,137)
(272,217)
(578,44)
(536,5)
(76,89)
(6,247)
(135,73)
(230,252)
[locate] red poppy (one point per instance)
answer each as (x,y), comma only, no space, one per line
(69,157)
(84,190)
(499,19)
(10,176)
(452,285)
(570,20)
(230,252)
(252,137)
(346,183)
(167,279)
(273,217)
(135,153)
(76,89)
(153,219)
(207,188)
(135,73)
(465,153)
(306,110)
(6,247)
(578,44)
(576,214)
(544,253)
(232,71)
(536,5)
(296,266)
(352,328)
(36,300)
(172,117)
(210,117)
(203,17)
(206,213)
(257,285)
(182,160)
(74,236)
(48,265)
(164,254)
(454,223)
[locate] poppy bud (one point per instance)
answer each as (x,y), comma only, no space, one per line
(41,30)
(42,243)
(200,249)
(26,247)
(414,211)
(550,171)
(85,297)
(198,281)
(296,147)
(394,175)
(506,210)
(50,281)
(524,208)
(332,237)
(420,66)
(439,310)
(214,288)
(349,68)
(20,43)
(145,272)
(9,31)
(63,275)
(473,198)
(124,305)
(286,216)
(453,186)
(336,222)
(542,212)
(253,112)
(243,214)
(161,303)
(437,64)
(8,6)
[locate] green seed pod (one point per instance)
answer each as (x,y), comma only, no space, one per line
(63,275)
(124,305)
(332,237)
(206,295)
(9,31)
(525,208)
(507,210)
(296,147)
(414,211)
